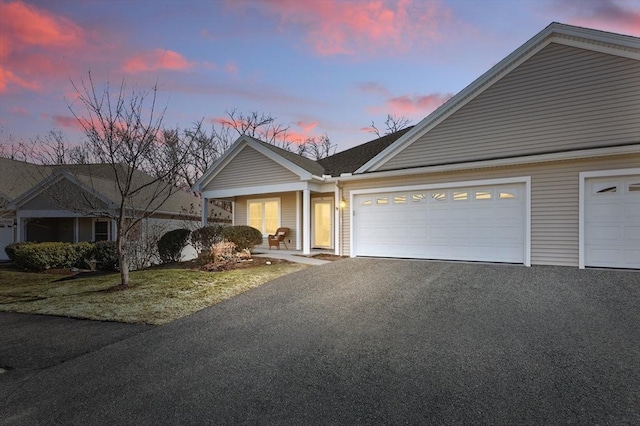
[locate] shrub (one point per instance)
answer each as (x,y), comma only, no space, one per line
(83,252)
(11,249)
(105,254)
(42,256)
(171,244)
(244,237)
(204,238)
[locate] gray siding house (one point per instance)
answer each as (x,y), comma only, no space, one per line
(66,203)
(535,162)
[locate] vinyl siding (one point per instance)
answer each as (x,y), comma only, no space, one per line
(554,201)
(287,214)
(563,98)
(251,168)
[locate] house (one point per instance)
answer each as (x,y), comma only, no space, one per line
(535,162)
(67,203)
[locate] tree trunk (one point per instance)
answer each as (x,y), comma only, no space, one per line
(122,256)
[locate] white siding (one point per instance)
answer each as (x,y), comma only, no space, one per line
(251,168)
(554,201)
(563,98)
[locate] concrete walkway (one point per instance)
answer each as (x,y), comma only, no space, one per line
(291,256)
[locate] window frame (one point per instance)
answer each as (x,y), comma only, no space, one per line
(262,201)
(109,223)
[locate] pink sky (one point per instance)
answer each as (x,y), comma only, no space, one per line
(325,66)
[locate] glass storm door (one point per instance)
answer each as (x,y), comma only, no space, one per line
(322,224)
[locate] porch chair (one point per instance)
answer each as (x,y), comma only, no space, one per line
(275,240)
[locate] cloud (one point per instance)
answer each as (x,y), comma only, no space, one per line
(27,36)
(8,78)
(306,126)
(410,106)
(20,111)
(155,60)
(417,104)
(67,122)
(335,27)
(27,25)
(609,15)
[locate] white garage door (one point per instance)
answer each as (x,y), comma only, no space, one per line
(6,237)
(612,222)
(474,223)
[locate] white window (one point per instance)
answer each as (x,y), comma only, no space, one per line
(102,230)
(264,215)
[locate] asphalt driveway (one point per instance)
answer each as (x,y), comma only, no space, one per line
(365,341)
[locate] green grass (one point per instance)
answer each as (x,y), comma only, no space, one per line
(155,296)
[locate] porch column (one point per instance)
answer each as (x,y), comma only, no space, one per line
(233,213)
(18,231)
(338,211)
(298,221)
(205,211)
(76,229)
(306,221)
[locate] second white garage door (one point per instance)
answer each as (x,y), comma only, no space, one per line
(471,223)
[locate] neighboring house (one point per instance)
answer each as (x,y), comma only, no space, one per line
(535,162)
(33,200)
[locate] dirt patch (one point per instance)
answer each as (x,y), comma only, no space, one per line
(243,264)
(327,256)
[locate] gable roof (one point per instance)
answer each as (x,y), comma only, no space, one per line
(600,41)
(23,181)
(351,159)
(306,163)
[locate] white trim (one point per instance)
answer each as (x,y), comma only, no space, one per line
(233,213)
(583,176)
(263,201)
(110,227)
(48,213)
(314,201)
(298,220)
(306,221)
(526,180)
(257,190)
(503,162)
(336,219)
(557,33)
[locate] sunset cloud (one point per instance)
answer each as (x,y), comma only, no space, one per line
(155,60)
(608,15)
(336,27)
(417,104)
(307,127)
(24,24)
(67,122)
(26,35)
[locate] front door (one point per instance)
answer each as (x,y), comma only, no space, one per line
(322,223)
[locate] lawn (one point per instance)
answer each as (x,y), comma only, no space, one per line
(156,296)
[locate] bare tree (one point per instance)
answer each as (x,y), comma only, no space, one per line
(134,158)
(317,148)
(393,123)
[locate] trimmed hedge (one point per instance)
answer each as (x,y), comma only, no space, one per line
(43,256)
(171,244)
(244,237)
(204,238)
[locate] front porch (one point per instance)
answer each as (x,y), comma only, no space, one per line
(313,218)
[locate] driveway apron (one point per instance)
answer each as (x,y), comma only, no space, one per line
(362,341)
